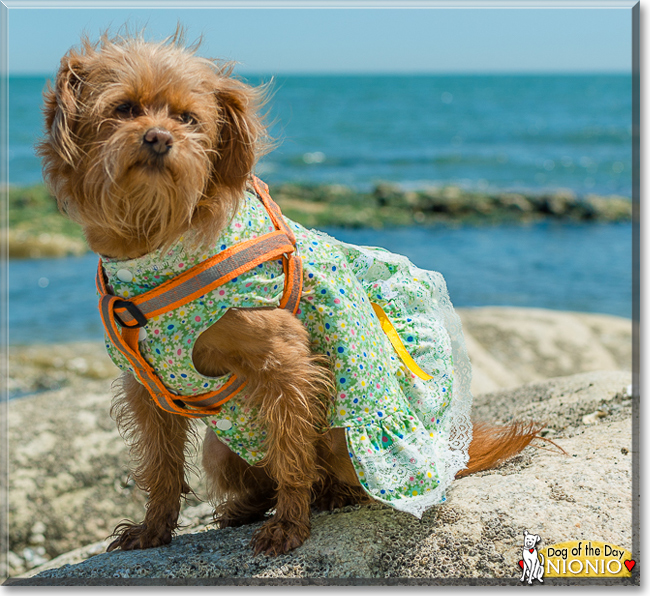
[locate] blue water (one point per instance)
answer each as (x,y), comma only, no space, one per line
(525,132)
(480,132)
(560,267)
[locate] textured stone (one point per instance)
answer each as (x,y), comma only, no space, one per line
(69,484)
(512,346)
(580,493)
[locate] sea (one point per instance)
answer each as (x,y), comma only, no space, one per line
(529,133)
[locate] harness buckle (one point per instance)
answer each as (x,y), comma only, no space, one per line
(135,312)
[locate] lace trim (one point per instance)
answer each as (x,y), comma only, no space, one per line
(455,424)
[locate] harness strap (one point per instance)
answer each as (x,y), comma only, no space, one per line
(292,265)
(188,286)
(127,343)
(207,275)
(262,191)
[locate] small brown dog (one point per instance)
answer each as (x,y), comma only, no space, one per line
(146,143)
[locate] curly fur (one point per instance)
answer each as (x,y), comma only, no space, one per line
(128,200)
(131,200)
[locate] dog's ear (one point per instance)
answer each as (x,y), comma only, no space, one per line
(62,105)
(240,132)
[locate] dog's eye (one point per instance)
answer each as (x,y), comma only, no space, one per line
(188,118)
(127,110)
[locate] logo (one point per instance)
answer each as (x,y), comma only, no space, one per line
(530,563)
(576,558)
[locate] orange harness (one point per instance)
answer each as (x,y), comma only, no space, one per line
(133,314)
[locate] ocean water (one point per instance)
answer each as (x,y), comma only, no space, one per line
(526,132)
(499,132)
(479,132)
(561,267)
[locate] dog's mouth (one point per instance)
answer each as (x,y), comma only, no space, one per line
(149,170)
(153,164)
(146,161)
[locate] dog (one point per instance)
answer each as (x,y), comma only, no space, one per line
(531,561)
(150,147)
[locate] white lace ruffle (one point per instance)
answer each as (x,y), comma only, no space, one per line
(440,347)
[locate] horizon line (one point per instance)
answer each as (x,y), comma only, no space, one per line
(370,73)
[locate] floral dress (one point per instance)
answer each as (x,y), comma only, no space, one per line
(393,339)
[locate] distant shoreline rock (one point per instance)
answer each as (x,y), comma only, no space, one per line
(38,230)
(390,205)
(26,245)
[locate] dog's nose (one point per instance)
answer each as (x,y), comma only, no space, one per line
(158,140)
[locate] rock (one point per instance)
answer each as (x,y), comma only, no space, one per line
(594,417)
(34,557)
(44,367)
(389,194)
(15,564)
(512,346)
(608,208)
(69,483)
(23,244)
(516,202)
(39,527)
(477,533)
(561,403)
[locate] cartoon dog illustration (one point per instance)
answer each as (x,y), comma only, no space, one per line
(531,562)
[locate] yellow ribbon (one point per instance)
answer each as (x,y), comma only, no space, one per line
(394,338)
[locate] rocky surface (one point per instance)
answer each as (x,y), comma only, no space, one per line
(44,367)
(37,229)
(391,205)
(512,346)
(583,494)
(69,481)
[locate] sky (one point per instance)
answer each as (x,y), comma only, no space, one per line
(350,40)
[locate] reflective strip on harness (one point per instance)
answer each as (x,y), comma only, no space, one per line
(190,285)
(208,275)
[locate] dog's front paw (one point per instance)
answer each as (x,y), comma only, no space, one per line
(277,537)
(137,536)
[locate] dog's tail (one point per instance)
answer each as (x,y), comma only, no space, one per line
(492,445)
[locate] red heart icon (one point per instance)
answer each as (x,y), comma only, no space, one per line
(521,564)
(530,550)
(630,565)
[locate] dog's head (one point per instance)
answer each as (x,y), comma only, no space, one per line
(530,540)
(146,140)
